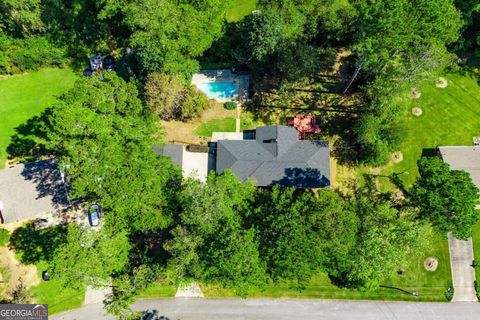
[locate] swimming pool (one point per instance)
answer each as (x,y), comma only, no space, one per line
(219,90)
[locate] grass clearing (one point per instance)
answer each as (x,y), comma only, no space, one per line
(24,96)
(450,117)
(240,9)
(431,286)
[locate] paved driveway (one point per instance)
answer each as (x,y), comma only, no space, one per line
(461,258)
(288,309)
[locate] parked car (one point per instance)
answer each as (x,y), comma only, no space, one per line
(152,314)
(94,215)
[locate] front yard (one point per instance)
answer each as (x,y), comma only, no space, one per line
(33,248)
(431,286)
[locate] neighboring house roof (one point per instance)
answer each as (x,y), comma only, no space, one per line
(463,158)
(27,190)
(276,156)
(174,151)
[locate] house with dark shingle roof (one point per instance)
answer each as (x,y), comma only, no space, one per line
(274,155)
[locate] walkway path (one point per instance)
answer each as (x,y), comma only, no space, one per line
(461,258)
(287,309)
(237,120)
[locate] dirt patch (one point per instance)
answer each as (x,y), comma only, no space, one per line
(14,272)
(431,264)
(441,83)
(182,132)
(397,157)
(398,196)
(417,111)
(415,93)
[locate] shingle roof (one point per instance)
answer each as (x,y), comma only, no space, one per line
(27,190)
(276,156)
(463,158)
(174,151)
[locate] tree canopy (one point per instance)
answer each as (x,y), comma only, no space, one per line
(446,197)
(103,136)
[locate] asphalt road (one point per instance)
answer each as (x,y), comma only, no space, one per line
(288,309)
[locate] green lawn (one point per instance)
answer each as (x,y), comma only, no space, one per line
(451,116)
(224,125)
(157,291)
(240,9)
(431,286)
(55,295)
(23,96)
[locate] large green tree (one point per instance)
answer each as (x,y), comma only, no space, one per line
(90,257)
(446,197)
(168,35)
(103,136)
(262,33)
(21,18)
(211,242)
(288,242)
(336,223)
(383,241)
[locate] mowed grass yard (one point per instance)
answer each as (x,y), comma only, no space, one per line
(431,286)
(240,9)
(54,294)
(451,116)
(24,96)
(225,125)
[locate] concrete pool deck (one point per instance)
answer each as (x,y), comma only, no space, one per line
(224,75)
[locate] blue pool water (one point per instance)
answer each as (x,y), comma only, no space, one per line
(222,90)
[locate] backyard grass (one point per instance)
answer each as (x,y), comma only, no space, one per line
(56,295)
(240,9)
(450,117)
(225,125)
(27,95)
(431,286)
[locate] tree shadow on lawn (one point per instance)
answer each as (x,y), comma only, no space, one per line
(28,142)
(35,245)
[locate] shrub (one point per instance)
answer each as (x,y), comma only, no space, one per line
(194,102)
(230,105)
(449,293)
(164,94)
(20,55)
(169,98)
(4,236)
